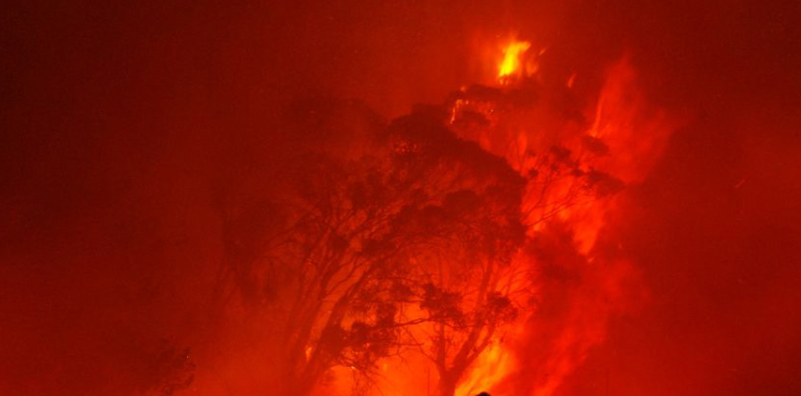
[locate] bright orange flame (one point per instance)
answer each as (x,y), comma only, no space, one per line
(490,368)
(633,134)
(511,63)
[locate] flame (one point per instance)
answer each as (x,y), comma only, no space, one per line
(512,62)
(492,366)
(533,355)
(634,133)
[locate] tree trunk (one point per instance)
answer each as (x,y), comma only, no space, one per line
(447,384)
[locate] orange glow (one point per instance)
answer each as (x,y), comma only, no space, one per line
(397,198)
(623,137)
(617,139)
(493,365)
(571,80)
(512,63)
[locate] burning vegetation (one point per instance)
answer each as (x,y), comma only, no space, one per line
(244,198)
(449,251)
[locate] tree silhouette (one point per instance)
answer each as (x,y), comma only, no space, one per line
(479,280)
(336,257)
(463,278)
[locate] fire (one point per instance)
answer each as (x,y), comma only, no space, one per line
(512,63)
(618,145)
(491,368)
(514,317)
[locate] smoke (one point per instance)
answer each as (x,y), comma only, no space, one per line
(124,122)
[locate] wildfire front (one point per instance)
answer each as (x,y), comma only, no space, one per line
(394,198)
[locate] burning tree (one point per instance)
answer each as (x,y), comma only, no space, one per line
(426,233)
(481,282)
(462,278)
(340,271)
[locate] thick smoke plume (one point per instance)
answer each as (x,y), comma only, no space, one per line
(154,156)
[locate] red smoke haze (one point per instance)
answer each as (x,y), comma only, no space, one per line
(126,127)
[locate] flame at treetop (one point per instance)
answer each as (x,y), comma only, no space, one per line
(541,172)
(598,149)
(511,63)
(576,162)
